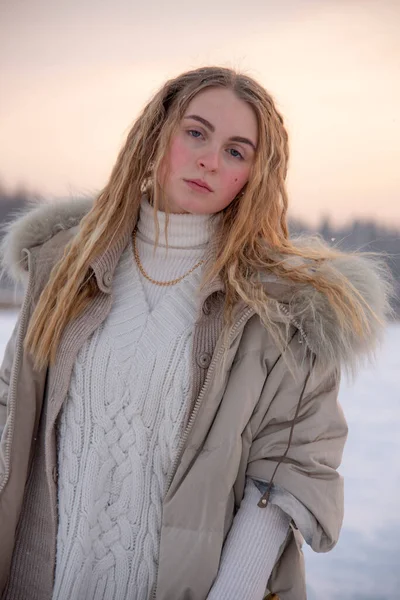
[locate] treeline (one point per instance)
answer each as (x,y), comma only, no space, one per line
(361,235)
(12,202)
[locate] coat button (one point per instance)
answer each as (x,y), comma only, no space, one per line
(54,473)
(107,279)
(203,360)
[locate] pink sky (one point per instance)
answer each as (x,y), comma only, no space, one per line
(74,75)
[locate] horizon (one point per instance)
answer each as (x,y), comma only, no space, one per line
(20,191)
(77,76)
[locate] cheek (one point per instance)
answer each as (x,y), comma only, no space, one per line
(178,155)
(234,183)
(173,162)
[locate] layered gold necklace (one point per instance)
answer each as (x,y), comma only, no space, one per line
(143,272)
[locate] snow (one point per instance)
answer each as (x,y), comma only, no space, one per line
(365,565)
(7,322)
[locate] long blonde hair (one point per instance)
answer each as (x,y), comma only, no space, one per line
(253,233)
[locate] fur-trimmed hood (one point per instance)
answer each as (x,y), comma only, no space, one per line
(34,226)
(307,308)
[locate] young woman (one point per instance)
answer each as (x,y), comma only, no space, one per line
(169,404)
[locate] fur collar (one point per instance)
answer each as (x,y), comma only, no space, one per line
(34,226)
(307,308)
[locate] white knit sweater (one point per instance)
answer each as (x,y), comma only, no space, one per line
(121,423)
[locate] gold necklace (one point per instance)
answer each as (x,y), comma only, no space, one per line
(143,272)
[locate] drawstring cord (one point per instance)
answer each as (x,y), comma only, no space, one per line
(265,497)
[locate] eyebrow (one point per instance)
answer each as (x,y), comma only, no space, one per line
(235,138)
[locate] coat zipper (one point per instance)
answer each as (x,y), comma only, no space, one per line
(295,322)
(200,397)
(195,410)
(196,406)
(14,378)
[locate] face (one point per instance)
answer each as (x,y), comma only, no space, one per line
(211,153)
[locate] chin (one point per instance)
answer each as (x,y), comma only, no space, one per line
(178,207)
(182,206)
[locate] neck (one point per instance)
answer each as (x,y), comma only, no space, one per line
(183,230)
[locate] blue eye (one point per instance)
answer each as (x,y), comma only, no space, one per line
(193,132)
(237,155)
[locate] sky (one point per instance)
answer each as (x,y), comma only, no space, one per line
(75,74)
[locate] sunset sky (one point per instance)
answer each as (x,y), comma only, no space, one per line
(74,75)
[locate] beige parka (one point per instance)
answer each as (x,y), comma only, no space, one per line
(263,413)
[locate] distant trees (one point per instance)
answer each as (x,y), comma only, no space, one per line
(12,201)
(363,236)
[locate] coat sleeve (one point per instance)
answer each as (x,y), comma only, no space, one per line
(297,446)
(5,374)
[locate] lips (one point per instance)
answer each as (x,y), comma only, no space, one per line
(199,183)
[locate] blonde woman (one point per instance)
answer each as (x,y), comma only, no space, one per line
(169,409)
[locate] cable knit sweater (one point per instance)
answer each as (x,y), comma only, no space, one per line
(121,425)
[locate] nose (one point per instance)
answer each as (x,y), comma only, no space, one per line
(209,160)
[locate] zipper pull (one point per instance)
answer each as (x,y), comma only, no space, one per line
(264,499)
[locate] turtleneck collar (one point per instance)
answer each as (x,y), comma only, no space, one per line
(184,230)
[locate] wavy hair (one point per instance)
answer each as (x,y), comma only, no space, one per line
(252,235)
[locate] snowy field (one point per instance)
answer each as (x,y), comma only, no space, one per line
(365,565)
